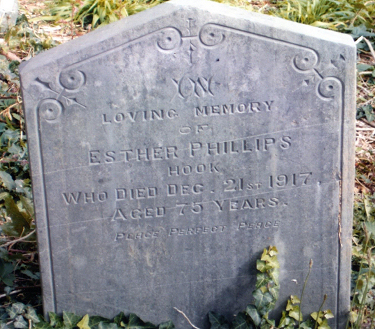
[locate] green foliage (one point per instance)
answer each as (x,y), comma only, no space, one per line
(15,189)
(366,111)
(15,185)
(71,320)
(102,12)
(96,12)
(293,316)
(24,38)
(244,4)
(331,14)
(312,12)
(18,265)
(18,316)
(363,278)
(7,272)
(265,297)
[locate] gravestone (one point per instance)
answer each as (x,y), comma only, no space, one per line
(170,148)
(8,13)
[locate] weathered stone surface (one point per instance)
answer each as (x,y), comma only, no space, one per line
(170,148)
(8,13)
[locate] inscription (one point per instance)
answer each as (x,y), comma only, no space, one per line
(184,189)
(289,180)
(150,233)
(239,146)
(227,109)
(137,235)
(72,198)
(144,213)
(246,225)
(139,116)
(247,204)
(136,193)
(170,232)
(194,207)
(202,168)
(192,47)
(144,154)
(197,129)
(248,145)
(84,197)
(197,230)
(198,87)
(233,185)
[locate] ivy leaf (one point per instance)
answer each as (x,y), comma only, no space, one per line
(7,180)
(55,320)
(217,321)
(262,280)
(267,323)
(324,325)
(95,320)
(274,262)
(70,320)
(285,320)
(370,227)
(273,251)
(18,224)
(20,322)
(84,323)
(105,325)
(166,325)
(31,315)
(121,317)
(262,266)
(369,112)
(274,291)
(262,300)
(35,276)
(7,276)
(240,322)
(364,67)
(295,313)
(274,274)
(353,317)
(295,299)
(328,314)
(314,315)
(252,312)
(271,261)
(307,324)
(16,309)
(136,323)
(27,205)
(42,325)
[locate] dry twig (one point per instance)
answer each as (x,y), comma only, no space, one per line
(11,56)
(187,319)
(370,47)
(17,240)
(11,293)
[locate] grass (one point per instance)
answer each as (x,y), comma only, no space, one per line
(333,14)
(19,276)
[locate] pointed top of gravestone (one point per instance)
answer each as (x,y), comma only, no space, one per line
(130,28)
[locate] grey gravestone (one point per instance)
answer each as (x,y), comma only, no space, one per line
(8,13)
(170,148)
